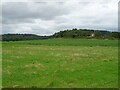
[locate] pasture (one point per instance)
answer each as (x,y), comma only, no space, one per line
(60,63)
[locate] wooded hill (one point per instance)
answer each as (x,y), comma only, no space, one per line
(18,37)
(74,33)
(85,33)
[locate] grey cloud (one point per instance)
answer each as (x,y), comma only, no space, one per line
(15,12)
(46,18)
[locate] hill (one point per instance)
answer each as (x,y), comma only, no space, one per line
(18,37)
(85,33)
(74,33)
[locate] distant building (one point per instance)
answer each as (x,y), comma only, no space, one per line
(92,35)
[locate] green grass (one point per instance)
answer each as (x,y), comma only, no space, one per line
(61,63)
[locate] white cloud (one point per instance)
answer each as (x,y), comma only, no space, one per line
(45,18)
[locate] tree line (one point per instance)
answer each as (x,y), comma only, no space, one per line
(19,37)
(85,33)
(74,33)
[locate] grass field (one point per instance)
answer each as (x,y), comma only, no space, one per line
(61,63)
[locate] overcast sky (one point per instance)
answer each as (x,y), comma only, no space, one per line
(47,17)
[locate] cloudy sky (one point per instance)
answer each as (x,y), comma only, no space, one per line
(47,17)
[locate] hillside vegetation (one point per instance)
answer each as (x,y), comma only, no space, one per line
(74,33)
(84,33)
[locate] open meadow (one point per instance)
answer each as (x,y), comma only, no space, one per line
(60,63)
